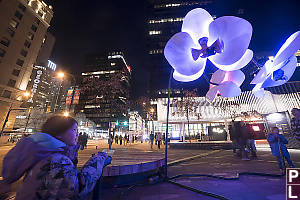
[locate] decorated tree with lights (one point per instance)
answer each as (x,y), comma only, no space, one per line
(187,106)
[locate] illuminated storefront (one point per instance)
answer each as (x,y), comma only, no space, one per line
(221,112)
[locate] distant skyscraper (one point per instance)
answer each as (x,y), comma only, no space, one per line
(23,25)
(106,104)
(165,20)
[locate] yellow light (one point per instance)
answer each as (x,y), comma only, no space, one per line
(66,114)
(60,75)
(26,94)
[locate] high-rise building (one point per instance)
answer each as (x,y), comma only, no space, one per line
(23,25)
(165,20)
(104,88)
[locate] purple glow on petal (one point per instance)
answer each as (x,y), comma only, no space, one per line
(218,77)
(236,34)
(236,77)
(212,93)
(179,55)
(182,78)
(246,58)
(196,23)
(229,89)
(288,49)
(288,69)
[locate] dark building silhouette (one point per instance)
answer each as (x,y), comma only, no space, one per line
(108,101)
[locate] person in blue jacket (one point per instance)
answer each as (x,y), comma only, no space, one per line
(278,141)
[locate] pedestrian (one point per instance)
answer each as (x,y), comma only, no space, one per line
(151,139)
(81,141)
(277,144)
(251,141)
(142,139)
(295,123)
(233,136)
(125,139)
(48,166)
(121,139)
(116,139)
(132,139)
(158,138)
(84,140)
(241,134)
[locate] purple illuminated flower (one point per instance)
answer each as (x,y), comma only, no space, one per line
(223,41)
(278,70)
(225,83)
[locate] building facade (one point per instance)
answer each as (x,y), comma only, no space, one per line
(23,25)
(222,111)
(165,20)
(104,89)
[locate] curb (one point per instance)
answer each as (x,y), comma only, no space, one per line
(192,157)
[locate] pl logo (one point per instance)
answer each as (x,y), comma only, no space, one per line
(293,184)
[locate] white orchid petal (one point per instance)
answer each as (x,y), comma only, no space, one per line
(182,78)
(235,33)
(212,93)
(288,49)
(179,55)
(229,89)
(258,91)
(288,69)
(218,76)
(196,23)
(246,58)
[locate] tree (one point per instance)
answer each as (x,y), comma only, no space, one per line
(186,105)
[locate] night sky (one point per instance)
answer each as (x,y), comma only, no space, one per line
(91,26)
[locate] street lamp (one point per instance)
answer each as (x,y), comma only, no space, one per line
(66,114)
(60,75)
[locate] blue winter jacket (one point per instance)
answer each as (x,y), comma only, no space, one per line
(274,144)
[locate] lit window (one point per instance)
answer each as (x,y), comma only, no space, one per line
(13,23)
(156,51)
(18,15)
(112,64)
(5,41)
(178,19)
(154,32)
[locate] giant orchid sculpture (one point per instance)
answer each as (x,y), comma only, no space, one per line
(223,41)
(278,70)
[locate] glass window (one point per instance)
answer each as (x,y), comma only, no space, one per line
(2,52)
(22,7)
(6,94)
(13,23)
(16,72)
(20,62)
(34,28)
(11,83)
(24,53)
(30,36)
(27,44)
(10,32)
(5,41)
(18,15)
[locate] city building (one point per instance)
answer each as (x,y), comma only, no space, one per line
(23,25)
(104,89)
(165,20)
(222,111)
